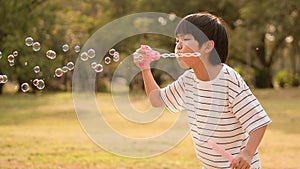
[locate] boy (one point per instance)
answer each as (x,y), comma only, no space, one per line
(220,105)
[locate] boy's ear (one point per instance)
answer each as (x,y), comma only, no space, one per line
(209,45)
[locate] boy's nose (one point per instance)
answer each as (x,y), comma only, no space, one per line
(179,46)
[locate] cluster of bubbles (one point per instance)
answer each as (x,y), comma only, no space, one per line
(29,41)
(97,67)
(59,72)
(163,21)
(38,83)
(11,58)
(50,54)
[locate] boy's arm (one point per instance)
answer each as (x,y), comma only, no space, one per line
(244,159)
(152,89)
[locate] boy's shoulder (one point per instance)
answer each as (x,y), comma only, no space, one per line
(233,77)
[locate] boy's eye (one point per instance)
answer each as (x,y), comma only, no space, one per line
(186,39)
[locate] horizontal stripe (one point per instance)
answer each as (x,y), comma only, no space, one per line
(225,110)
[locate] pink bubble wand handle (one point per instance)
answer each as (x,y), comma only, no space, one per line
(221,151)
(145,55)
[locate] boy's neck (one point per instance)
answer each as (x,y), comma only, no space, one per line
(207,72)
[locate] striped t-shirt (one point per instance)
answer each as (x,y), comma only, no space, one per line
(223,109)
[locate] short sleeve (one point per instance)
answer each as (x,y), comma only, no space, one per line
(249,111)
(173,95)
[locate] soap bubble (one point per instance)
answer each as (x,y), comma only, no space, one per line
(25,87)
(51,54)
(35,82)
(4,79)
(172,16)
(36,69)
(112,52)
(65,69)
(40,84)
(29,41)
(93,65)
(116,57)
(1,55)
(162,21)
(59,72)
(12,63)
(107,60)
(70,65)
(65,48)
(15,53)
(36,46)
(10,58)
(25,63)
(91,53)
(98,68)
(77,48)
(84,56)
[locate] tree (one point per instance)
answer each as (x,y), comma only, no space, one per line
(265,26)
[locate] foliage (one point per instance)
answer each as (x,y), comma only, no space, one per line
(284,78)
(259,32)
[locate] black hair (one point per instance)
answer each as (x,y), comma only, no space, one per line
(205,26)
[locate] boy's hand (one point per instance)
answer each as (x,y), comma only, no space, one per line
(242,161)
(143,56)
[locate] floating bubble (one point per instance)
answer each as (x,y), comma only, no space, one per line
(162,21)
(51,54)
(1,55)
(36,69)
(25,87)
(91,53)
(70,65)
(10,58)
(40,84)
(65,48)
(107,60)
(29,41)
(98,68)
(12,63)
(172,16)
(35,82)
(1,79)
(116,57)
(65,69)
(25,63)
(15,53)
(84,56)
(4,79)
(59,72)
(77,48)
(36,46)
(93,65)
(112,52)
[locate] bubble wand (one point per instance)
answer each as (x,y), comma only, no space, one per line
(220,150)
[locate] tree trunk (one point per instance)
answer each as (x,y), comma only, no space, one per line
(263,78)
(263,75)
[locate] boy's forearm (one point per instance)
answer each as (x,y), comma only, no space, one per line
(152,89)
(254,140)
(149,82)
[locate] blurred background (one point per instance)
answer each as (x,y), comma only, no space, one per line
(40,129)
(264,36)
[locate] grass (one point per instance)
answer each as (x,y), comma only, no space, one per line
(42,131)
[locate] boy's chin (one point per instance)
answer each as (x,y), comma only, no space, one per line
(183,65)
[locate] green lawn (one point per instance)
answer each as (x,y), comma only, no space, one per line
(42,131)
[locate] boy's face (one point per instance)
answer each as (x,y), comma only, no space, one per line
(186,43)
